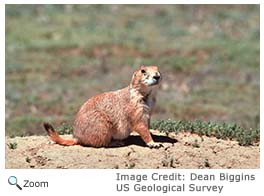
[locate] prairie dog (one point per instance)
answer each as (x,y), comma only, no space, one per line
(114,115)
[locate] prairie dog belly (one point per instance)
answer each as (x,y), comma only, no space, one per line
(121,135)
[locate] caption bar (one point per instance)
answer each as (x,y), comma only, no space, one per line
(177,182)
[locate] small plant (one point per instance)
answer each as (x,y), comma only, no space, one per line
(28,160)
(65,129)
(195,144)
(164,163)
(131,166)
(206,163)
(12,145)
(172,161)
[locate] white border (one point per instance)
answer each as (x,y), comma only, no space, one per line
(69,182)
(132,2)
(2,85)
(261,89)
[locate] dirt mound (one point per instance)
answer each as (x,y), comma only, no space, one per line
(183,150)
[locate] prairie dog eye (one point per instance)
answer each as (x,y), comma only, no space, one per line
(143,71)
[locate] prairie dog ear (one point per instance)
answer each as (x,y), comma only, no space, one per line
(141,67)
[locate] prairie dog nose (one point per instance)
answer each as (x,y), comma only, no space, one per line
(156,77)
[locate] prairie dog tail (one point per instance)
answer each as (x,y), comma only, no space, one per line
(57,138)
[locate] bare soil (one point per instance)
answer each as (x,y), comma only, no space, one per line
(182,150)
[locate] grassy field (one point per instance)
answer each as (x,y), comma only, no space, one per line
(57,56)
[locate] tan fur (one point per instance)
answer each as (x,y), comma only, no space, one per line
(115,114)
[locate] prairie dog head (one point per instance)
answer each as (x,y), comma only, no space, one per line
(145,78)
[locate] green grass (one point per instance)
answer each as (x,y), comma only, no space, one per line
(219,130)
(57,56)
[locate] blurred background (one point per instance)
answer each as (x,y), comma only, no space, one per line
(58,56)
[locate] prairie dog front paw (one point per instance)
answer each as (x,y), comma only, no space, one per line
(153,144)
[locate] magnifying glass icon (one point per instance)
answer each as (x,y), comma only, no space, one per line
(12,180)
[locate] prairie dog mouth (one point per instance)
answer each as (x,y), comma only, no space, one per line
(151,81)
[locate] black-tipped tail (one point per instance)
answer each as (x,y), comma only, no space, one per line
(56,137)
(49,128)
